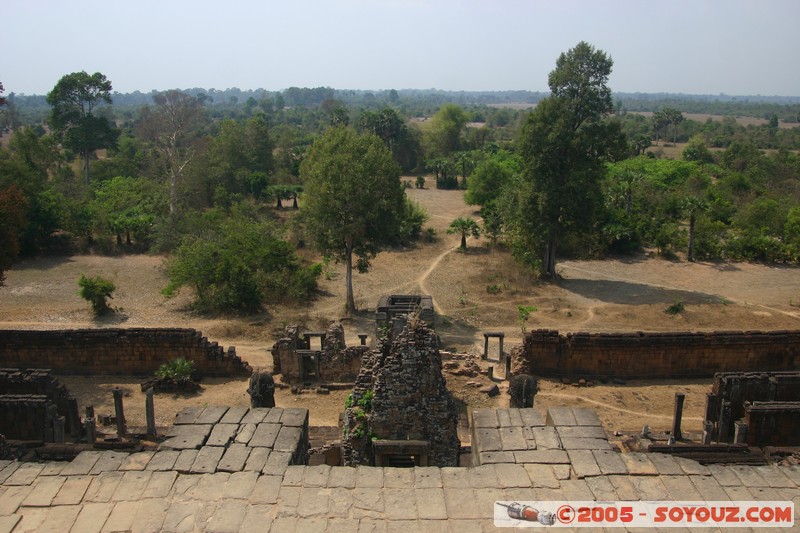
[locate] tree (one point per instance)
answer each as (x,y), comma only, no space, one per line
(565,144)
(354,200)
(74,99)
(129,206)
(96,291)
(13,210)
(693,205)
(464,226)
(447,126)
(170,127)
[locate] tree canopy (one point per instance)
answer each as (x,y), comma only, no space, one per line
(354,201)
(565,143)
(74,99)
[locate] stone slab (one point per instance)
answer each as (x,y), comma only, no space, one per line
(256,459)
(73,490)
(709,488)
(163,460)
(485,418)
(108,461)
(277,463)
(185,461)
(211,414)
(511,476)
(504,418)
(295,417)
(546,437)
(542,456)
(430,504)
(92,517)
(188,415)
(103,486)
(649,487)
(581,432)
(44,492)
(681,488)
(512,439)
(531,417)
(691,467)
(639,464)
(274,415)
(624,488)
(775,476)
(187,442)
(222,434)
(207,460)
(583,463)
(8,469)
(265,435)
(666,465)
(487,439)
(132,485)
(288,439)
(609,462)
(560,416)
(136,461)
(234,458)
(245,433)
(150,516)
(228,515)
(489,458)
(25,474)
(183,430)
(342,477)
(82,464)
(234,415)
(586,417)
(542,476)
(749,476)
(255,415)
(570,443)
(160,484)
(266,490)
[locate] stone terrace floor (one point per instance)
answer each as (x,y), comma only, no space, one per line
(230,470)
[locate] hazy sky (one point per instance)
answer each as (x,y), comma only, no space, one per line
(737,47)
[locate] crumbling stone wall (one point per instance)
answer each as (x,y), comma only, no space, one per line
(773,423)
(655,355)
(134,351)
(400,394)
(337,362)
(30,400)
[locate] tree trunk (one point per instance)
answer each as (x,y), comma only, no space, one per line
(173,193)
(350,305)
(86,167)
(690,252)
(464,240)
(549,259)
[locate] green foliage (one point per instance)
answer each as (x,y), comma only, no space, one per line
(465,227)
(354,201)
(365,402)
(348,401)
(414,216)
(523,314)
(446,131)
(96,291)
(128,206)
(13,210)
(494,289)
(237,265)
(490,176)
(420,182)
(179,369)
(676,308)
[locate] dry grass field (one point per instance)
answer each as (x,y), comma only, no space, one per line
(627,294)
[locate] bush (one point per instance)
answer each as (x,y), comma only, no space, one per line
(676,308)
(96,291)
(179,369)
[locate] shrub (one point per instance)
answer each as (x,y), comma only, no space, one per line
(96,291)
(676,308)
(179,369)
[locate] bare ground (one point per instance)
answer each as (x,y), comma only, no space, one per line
(612,295)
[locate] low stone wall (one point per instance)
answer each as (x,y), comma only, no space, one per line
(655,355)
(31,401)
(134,351)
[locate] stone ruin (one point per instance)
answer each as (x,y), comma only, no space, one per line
(398,306)
(400,412)
(294,358)
(754,408)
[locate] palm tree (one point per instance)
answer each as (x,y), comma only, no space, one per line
(693,204)
(465,226)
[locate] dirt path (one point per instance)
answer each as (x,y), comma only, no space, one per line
(474,290)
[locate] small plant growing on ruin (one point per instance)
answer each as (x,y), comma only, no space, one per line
(420,182)
(494,289)
(348,402)
(96,291)
(676,308)
(179,369)
(523,314)
(365,402)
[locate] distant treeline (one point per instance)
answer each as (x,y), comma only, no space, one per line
(32,109)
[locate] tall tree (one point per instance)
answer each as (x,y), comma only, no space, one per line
(13,209)
(170,127)
(353,198)
(446,131)
(565,143)
(74,99)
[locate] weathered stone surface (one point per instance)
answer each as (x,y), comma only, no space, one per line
(724,475)
(427,477)
(576,490)
(583,463)
(542,456)
(709,488)
(73,490)
(666,465)
(245,433)
(255,415)
(222,434)
(690,467)
(609,462)
(288,439)
(546,438)
(163,460)
(183,430)
(624,487)
(188,442)
(560,416)
(581,432)
(749,476)
(234,458)
(103,486)
(570,443)
(160,484)
(82,464)
(487,439)
(211,414)
(132,485)
(108,461)
(398,478)
(485,418)
(512,439)
(649,487)
(512,475)
(542,476)
(91,517)
(586,417)
(639,464)
(488,458)
(25,474)
(185,461)
(256,459)
(228,516)
(681,488)
(531,418)
(277,463)
(151,514)
(368,477)
(775,476)
(274,415)
(266,490)
(430,504)
(265,435)
(294,417)
(44,492)
(207,459)
(188,415)
(136,461)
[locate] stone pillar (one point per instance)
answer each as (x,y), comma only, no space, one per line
(740,433)
(150,413)
(725,422)
(485,346)
(261,389)
(74,418)
(90,426)
(490,373)
(508,367)
(59,426)
(676,421)
(708,432)
(118,411)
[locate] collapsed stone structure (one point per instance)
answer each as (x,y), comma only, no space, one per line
(34,406)
(756,408)
(400,412)
(293,357)
(655,355)
(399,306)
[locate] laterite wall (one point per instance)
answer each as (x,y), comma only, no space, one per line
(655,355)
(134,351)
